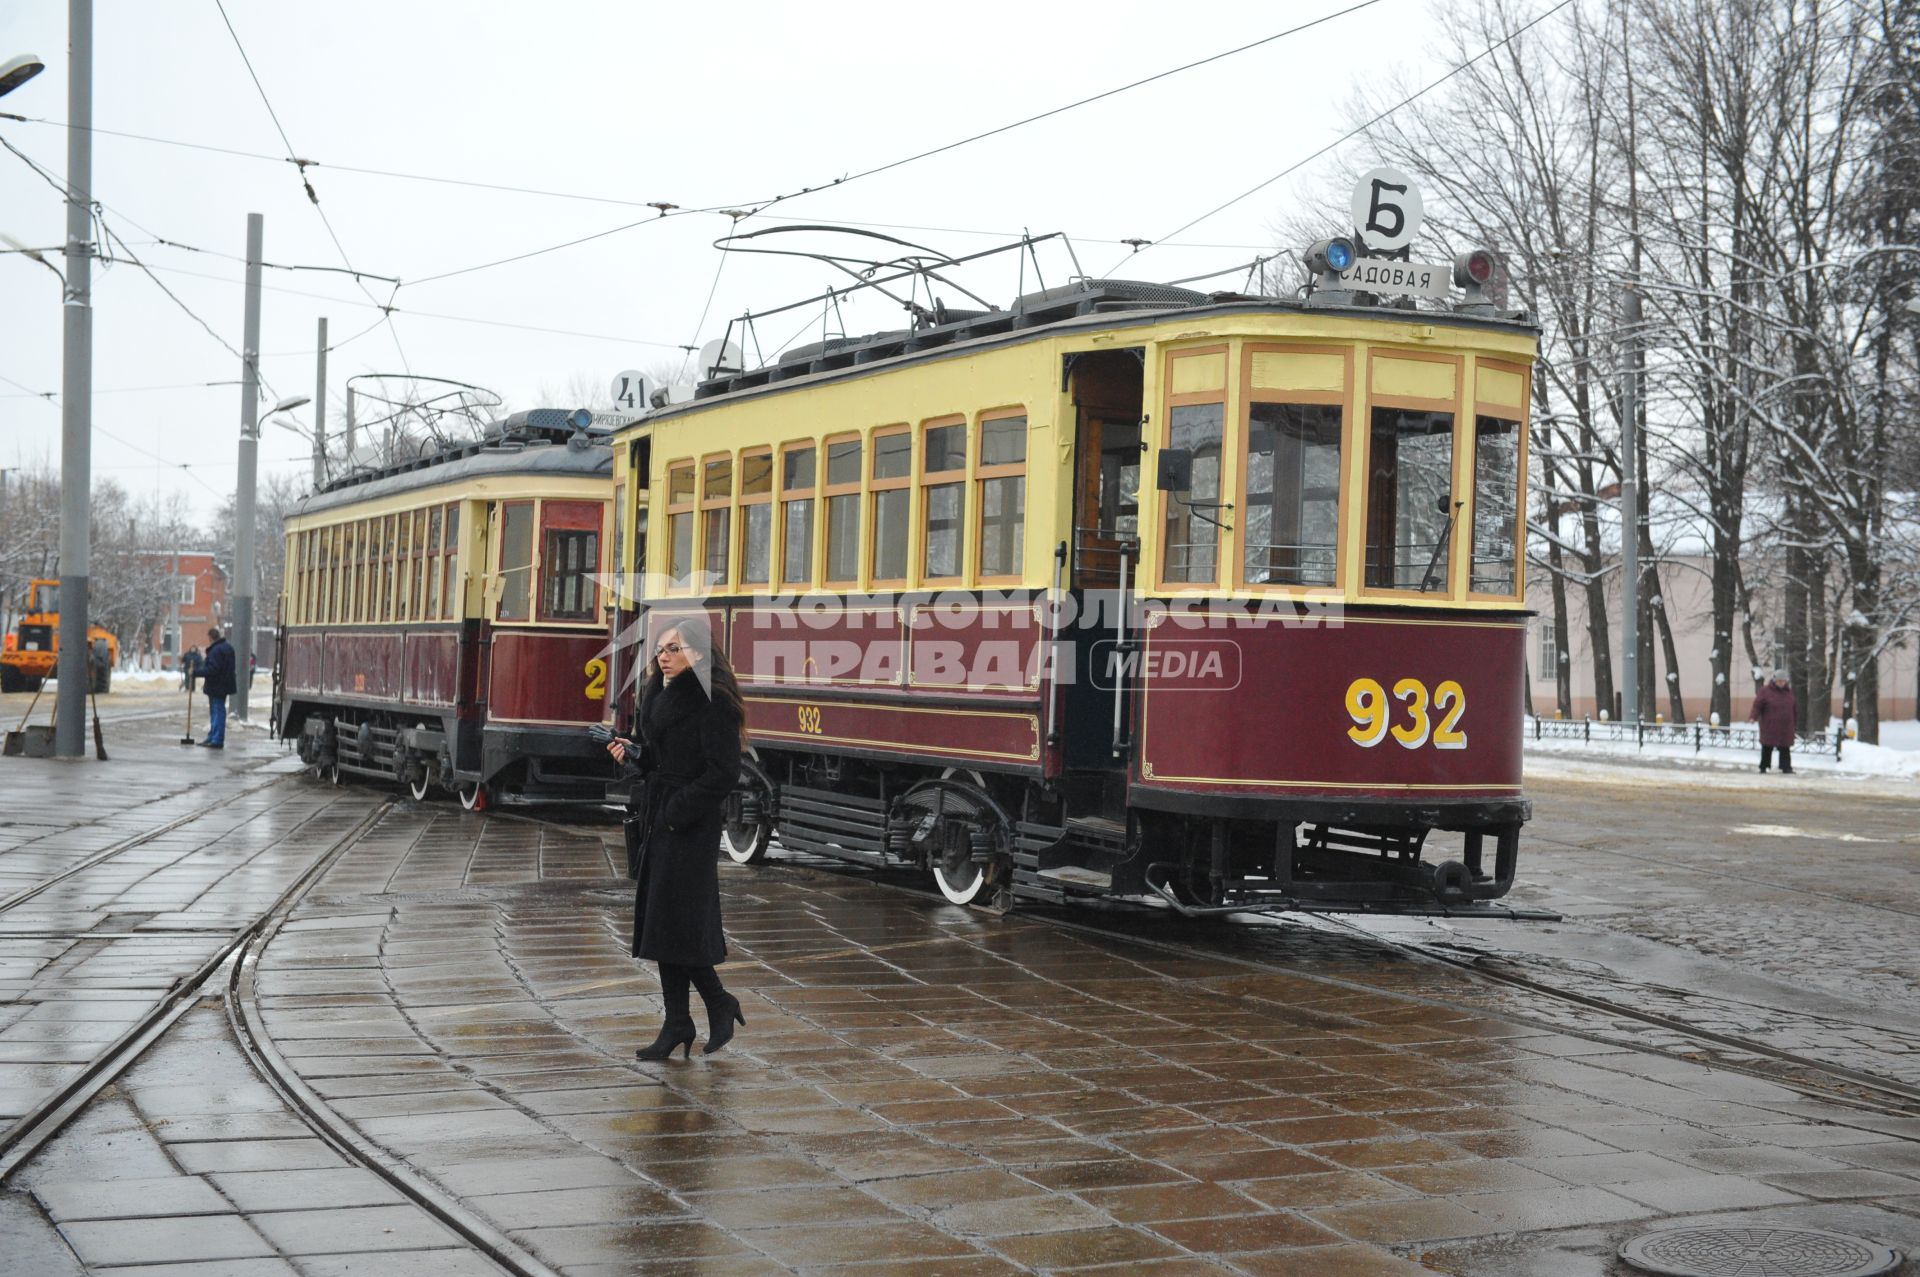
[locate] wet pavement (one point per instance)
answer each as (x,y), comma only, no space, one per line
(918,1089)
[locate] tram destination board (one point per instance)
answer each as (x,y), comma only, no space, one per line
(1402,279)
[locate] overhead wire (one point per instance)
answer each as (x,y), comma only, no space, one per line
(313,197)
(759,205)
(1348,136)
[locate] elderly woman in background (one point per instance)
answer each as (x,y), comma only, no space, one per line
(1776,710)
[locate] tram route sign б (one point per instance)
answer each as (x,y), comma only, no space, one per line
(1386,210)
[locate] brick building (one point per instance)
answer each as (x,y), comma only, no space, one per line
(202,584)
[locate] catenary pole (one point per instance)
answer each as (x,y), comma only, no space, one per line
(1630,316)
(243,497)
(320,413)
(74,669)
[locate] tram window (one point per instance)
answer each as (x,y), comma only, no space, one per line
(354,607)
(1003,495)
(943,472)
(843,511)
(797,482)
(680,512)
(434,580)
(1193,540)
(1292,511)
(716,514)
(391,581)
(892,475)
(756,517)
(1496,511)
(349,547)
(403,568)
(516,561)
(1409,499)
(449,594)
(420,610)
(615,565)
(569,558)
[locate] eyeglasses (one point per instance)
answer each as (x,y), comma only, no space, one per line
(669,649)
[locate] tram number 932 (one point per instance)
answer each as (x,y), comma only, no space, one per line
(1373,715)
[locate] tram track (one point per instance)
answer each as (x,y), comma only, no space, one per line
(1836,1081)
(256,1043)
(1886,1094)
(32,1130)
(129,843)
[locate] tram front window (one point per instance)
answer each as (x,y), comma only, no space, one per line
(1293,493)
(1409,499)
(1192,538)
(1496,504)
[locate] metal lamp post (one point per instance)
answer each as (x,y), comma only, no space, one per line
(74,671)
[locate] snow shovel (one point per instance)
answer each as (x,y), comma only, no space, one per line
(29,742)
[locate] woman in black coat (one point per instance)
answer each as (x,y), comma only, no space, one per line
(690,720)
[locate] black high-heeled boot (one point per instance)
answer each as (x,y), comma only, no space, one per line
(723,1009)
(678,1029)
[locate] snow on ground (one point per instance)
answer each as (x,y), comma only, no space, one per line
(1892,768)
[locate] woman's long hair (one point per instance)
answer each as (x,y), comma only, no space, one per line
(721,685)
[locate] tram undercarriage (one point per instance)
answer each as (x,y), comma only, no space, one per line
(992,840)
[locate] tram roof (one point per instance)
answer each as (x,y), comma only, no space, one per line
(1087,305)
(525,444)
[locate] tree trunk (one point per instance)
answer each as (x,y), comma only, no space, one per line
(1793,608)
(1726,578)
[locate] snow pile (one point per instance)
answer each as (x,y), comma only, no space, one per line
(1897,761)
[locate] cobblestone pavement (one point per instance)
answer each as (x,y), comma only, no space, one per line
(1796,933)
(119,880)
(925,1089)
(192,1165)
(919,1088)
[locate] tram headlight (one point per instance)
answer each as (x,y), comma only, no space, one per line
(1330,256)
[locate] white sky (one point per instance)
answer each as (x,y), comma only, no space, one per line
(696,104)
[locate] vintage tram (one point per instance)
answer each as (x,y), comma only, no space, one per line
(1124,590)
(442,624)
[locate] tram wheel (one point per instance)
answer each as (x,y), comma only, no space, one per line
(746,833)
(959,876)
(420,784)
(331,773)
(746,842)
(1192,884)
(474,796)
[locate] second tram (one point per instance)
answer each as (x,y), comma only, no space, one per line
(442,620)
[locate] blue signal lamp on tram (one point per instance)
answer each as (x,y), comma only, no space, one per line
(1325,260)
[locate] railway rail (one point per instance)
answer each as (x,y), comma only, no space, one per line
(1788,1067)
(33,1129)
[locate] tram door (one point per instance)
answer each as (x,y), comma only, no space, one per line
(475,612)
(1106,387)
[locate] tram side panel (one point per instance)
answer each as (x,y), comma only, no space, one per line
(544,688)
(1368,730)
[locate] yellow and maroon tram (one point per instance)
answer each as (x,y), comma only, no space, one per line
(442,620)
(1126,589)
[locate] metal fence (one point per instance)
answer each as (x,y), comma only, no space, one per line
(1701,736)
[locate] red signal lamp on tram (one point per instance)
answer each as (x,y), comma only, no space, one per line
(1472,272)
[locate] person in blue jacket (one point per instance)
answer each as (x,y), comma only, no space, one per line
(217,681)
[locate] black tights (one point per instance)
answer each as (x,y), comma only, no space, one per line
(1766,758)
(675,978)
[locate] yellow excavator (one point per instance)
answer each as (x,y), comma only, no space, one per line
(31,652)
